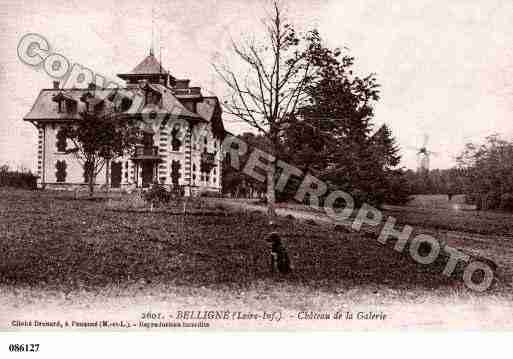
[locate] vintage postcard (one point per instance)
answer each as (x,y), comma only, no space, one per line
(308,165)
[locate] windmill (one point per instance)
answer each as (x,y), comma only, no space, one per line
(423,155)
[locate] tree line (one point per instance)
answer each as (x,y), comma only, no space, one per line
(20,178)
(487,170)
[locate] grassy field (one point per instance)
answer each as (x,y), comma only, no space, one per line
(438,201)
(51,240)
(52,244)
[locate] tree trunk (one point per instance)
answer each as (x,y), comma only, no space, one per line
(107,175)
(271,197)
(91,183)
(91,186)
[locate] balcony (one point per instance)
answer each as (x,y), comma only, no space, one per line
(146,153)
(189,91)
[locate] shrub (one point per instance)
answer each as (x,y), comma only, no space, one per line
(507,202)
(210,194)
(397,191)
(17,179)
(157,194)
(177,191)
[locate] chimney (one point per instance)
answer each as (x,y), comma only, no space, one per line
(56,85)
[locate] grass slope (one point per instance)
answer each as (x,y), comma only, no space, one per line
(49,240)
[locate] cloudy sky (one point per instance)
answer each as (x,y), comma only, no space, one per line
(446,67)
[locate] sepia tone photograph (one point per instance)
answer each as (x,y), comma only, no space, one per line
(273,165)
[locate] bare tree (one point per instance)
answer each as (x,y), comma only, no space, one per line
(271,85)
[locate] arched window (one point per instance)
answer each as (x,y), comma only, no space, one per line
(61,141)
(60,174)
(88,168)
(175,172)
(175,142)
(126,103)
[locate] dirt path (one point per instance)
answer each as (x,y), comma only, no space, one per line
(322,218)
(281,211)
(499,248)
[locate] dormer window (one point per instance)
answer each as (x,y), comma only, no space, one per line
(70,107)
(85,99)
(62,101)
(151,95)
(153,98)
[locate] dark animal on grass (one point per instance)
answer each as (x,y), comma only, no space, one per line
(311,222)
(341,228)
(279,258)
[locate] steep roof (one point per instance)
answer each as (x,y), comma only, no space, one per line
(210,109)
(170,104)
(45,108)
(149,66)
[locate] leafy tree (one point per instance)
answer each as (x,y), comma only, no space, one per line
(385,148)
(345,101)
(98,137)
(489,169)
(332,135)
(236,182)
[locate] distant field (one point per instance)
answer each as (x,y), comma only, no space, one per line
(440,201)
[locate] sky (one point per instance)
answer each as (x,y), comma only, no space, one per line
(445,68)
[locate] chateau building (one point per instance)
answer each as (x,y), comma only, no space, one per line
(182,132)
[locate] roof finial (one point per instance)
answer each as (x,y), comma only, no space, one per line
(152,26)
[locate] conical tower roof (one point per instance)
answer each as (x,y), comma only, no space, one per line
(149,67)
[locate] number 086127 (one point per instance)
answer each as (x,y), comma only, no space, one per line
(24,347)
